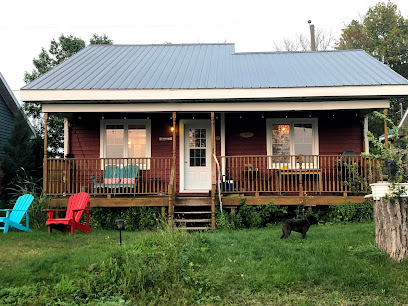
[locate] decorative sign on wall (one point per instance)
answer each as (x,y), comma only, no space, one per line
(165,138)
(246,134)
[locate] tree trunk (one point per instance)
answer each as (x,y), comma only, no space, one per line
(391,227)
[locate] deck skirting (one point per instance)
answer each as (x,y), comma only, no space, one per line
(162,201)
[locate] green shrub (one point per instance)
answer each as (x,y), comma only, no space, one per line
(349,212)
(136,218)
(355,182)
(250,216)
(228,221)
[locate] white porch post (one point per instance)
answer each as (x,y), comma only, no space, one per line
(223,166)
(366,143)
(66,137)
(213,182)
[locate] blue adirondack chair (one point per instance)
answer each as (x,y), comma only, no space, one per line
(14,216)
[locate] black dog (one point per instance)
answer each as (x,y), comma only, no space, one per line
(297,225)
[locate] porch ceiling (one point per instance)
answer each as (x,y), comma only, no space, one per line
(218,107)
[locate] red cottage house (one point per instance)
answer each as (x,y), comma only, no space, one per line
(159,125)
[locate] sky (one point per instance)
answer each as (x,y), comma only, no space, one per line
(26,26)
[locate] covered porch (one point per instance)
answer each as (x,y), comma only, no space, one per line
(161,178)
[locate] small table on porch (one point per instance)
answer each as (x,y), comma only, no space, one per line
(300,177)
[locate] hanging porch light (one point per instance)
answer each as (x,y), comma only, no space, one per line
(283,129)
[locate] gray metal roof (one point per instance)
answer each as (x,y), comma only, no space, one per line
(203,66)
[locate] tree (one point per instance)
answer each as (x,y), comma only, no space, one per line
(22,154)
(59,50)
(100,40)
(323,41)
(383,33)
(354,36)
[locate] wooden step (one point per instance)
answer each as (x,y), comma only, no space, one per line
(192,212)
(192,200)
(192,220)
(191,204)
(195,228)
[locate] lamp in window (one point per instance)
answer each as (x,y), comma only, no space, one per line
(283,129)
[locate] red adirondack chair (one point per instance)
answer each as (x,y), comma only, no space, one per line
(78,203)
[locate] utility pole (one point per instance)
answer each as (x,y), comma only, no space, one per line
(312,36)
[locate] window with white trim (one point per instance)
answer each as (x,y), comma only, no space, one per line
(292,137)
(127,138)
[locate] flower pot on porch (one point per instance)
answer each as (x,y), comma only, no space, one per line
(381,189)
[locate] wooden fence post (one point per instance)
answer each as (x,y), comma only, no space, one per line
(300,176)
(173,176)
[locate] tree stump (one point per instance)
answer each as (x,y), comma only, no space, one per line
(391,227)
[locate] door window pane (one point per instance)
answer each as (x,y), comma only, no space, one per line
(197,141)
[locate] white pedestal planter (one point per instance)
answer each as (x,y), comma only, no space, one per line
(379,190)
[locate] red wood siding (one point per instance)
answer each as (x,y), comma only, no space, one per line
(84,137)
(339,133)
(161,124)
(241,123)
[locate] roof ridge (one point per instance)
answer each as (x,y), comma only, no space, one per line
(286,52)
(161,45)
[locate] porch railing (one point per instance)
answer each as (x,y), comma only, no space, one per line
(291,175)
(298,174)
(104,176)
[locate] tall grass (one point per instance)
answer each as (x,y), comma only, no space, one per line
(335,265)
(32,186)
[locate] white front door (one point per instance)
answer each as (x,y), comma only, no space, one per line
(197,159)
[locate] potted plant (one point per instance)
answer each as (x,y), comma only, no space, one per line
(393,163)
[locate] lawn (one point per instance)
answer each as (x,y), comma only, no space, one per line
(335,264)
